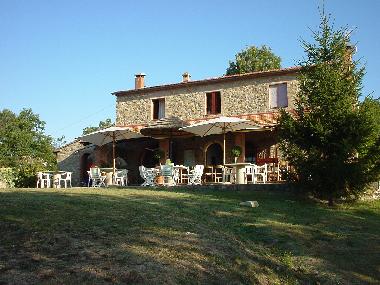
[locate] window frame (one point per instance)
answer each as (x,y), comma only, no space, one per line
(217,111)
(159,100)
(277,97)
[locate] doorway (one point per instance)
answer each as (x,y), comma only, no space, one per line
(85,164)
(214,154)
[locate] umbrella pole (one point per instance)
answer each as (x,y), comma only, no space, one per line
(224,146)
(113,153)
(170,147)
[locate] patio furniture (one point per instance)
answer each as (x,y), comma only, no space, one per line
(64,177)
(108,173)
(181,174)
(121,177)
(262,173)
(250,174)
(218,173)
(195,175)
(208,174)
(43,179)
(95,178)
(240,171)
(167,171)
(229,175)
(148,174)
(273,171)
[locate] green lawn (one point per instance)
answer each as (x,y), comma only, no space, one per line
(100,236)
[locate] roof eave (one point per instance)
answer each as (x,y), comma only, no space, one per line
(268,73)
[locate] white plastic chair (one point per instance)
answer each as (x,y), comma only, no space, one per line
(262,172)
(250,174)
(181,173)
(167,171)
(209,174)
(219,173)
(43,179)
(65,178)
(229,175)
(121,177)
(95,177)
(195,175)
(148,174)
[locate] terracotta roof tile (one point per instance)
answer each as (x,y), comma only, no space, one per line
(227,78)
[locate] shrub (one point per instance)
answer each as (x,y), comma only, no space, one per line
(26,171)
(7,177)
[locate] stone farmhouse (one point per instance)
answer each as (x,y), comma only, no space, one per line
(159,111)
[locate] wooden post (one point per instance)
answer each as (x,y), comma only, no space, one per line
(239,139)
(164,145)
(224,147)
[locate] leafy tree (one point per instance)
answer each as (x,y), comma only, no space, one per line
(254,59)
(102,125)
(332,139)
(24,146)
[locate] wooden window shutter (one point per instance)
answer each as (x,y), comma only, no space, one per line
(155,109)
(282,95)
(218,107)
(273,96)
(213,103)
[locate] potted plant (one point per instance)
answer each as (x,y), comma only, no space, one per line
(236,152)
(159,154)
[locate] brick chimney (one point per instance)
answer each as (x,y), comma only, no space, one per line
(186,77)
(139,80)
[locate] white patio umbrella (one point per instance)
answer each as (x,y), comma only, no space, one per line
(221,125)
(111,134)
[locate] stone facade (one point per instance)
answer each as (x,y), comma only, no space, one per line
(238,97)
(70,157)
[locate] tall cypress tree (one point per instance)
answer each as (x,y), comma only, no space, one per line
(331,138)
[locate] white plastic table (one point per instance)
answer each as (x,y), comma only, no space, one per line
(240,168)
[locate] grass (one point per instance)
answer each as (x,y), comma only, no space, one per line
(129,236)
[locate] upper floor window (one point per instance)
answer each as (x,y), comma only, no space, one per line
(158,108)
(278,95)
(213,102)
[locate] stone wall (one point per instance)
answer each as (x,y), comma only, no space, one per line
(243,96)
(69,159)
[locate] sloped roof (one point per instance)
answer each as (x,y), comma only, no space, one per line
(227,78)
(165,127)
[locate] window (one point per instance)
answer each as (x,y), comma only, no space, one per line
(158,108)
(278,95)
(213,103)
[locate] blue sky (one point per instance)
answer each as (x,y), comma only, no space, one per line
(64,58)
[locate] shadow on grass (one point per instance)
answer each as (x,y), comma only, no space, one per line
(174,236)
